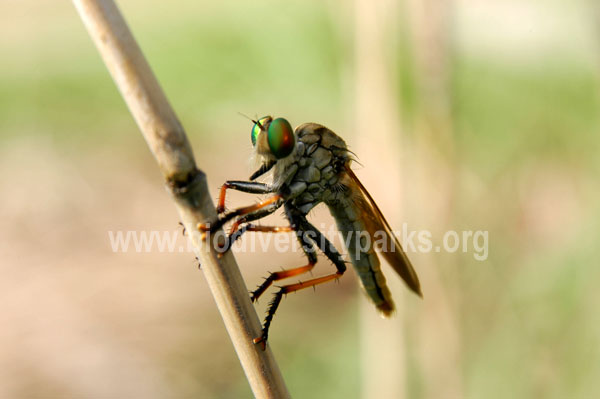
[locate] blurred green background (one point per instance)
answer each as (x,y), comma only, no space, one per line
(492,112)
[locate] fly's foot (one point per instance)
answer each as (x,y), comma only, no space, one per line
(262,341)
(222,243)
(206,228)
(203,228)
(211,226)
(263,287)
(254,295)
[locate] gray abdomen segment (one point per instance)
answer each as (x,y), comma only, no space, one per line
(363,256)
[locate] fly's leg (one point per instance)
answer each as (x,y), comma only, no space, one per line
(295,219)
(235,231)
(309,251)
(244,186)
(307,247)
(262,170)
(329,250)
(266,207)
(276,276)
(269,229)
(256,215)
(287,289)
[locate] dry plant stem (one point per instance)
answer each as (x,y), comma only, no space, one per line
(169,144)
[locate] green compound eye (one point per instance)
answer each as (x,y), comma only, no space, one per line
(281,138)
(256,129)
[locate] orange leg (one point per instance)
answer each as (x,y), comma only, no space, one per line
(221,203)
(247,209)
(271,229)
(276,276)
(245,186)
(235,228)
(236,232)
(316,237)
(239,212)
(263,229)
(286,289)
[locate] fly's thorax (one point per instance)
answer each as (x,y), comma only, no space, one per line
(320,159)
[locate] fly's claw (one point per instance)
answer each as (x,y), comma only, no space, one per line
(262,341)
(263,287)
(203,236)
(255,294)
(204,227)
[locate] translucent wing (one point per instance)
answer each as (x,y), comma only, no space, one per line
(379,229)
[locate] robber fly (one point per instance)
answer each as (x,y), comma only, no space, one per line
(312,165)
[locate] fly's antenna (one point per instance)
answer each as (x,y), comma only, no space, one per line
(252,120)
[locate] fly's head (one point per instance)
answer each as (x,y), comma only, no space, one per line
(273,139)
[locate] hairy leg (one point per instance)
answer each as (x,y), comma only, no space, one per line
(244,186)
(328,249)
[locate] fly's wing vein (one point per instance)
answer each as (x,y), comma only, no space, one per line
(375,221)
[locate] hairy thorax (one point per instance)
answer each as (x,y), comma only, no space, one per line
(314,172)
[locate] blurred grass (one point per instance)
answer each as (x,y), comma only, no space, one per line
(528,316)
(543,110)
(210,67)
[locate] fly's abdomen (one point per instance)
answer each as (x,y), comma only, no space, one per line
(361,252)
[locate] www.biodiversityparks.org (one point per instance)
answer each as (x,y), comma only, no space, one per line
(412,241)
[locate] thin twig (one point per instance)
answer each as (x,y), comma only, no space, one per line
(169,144)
